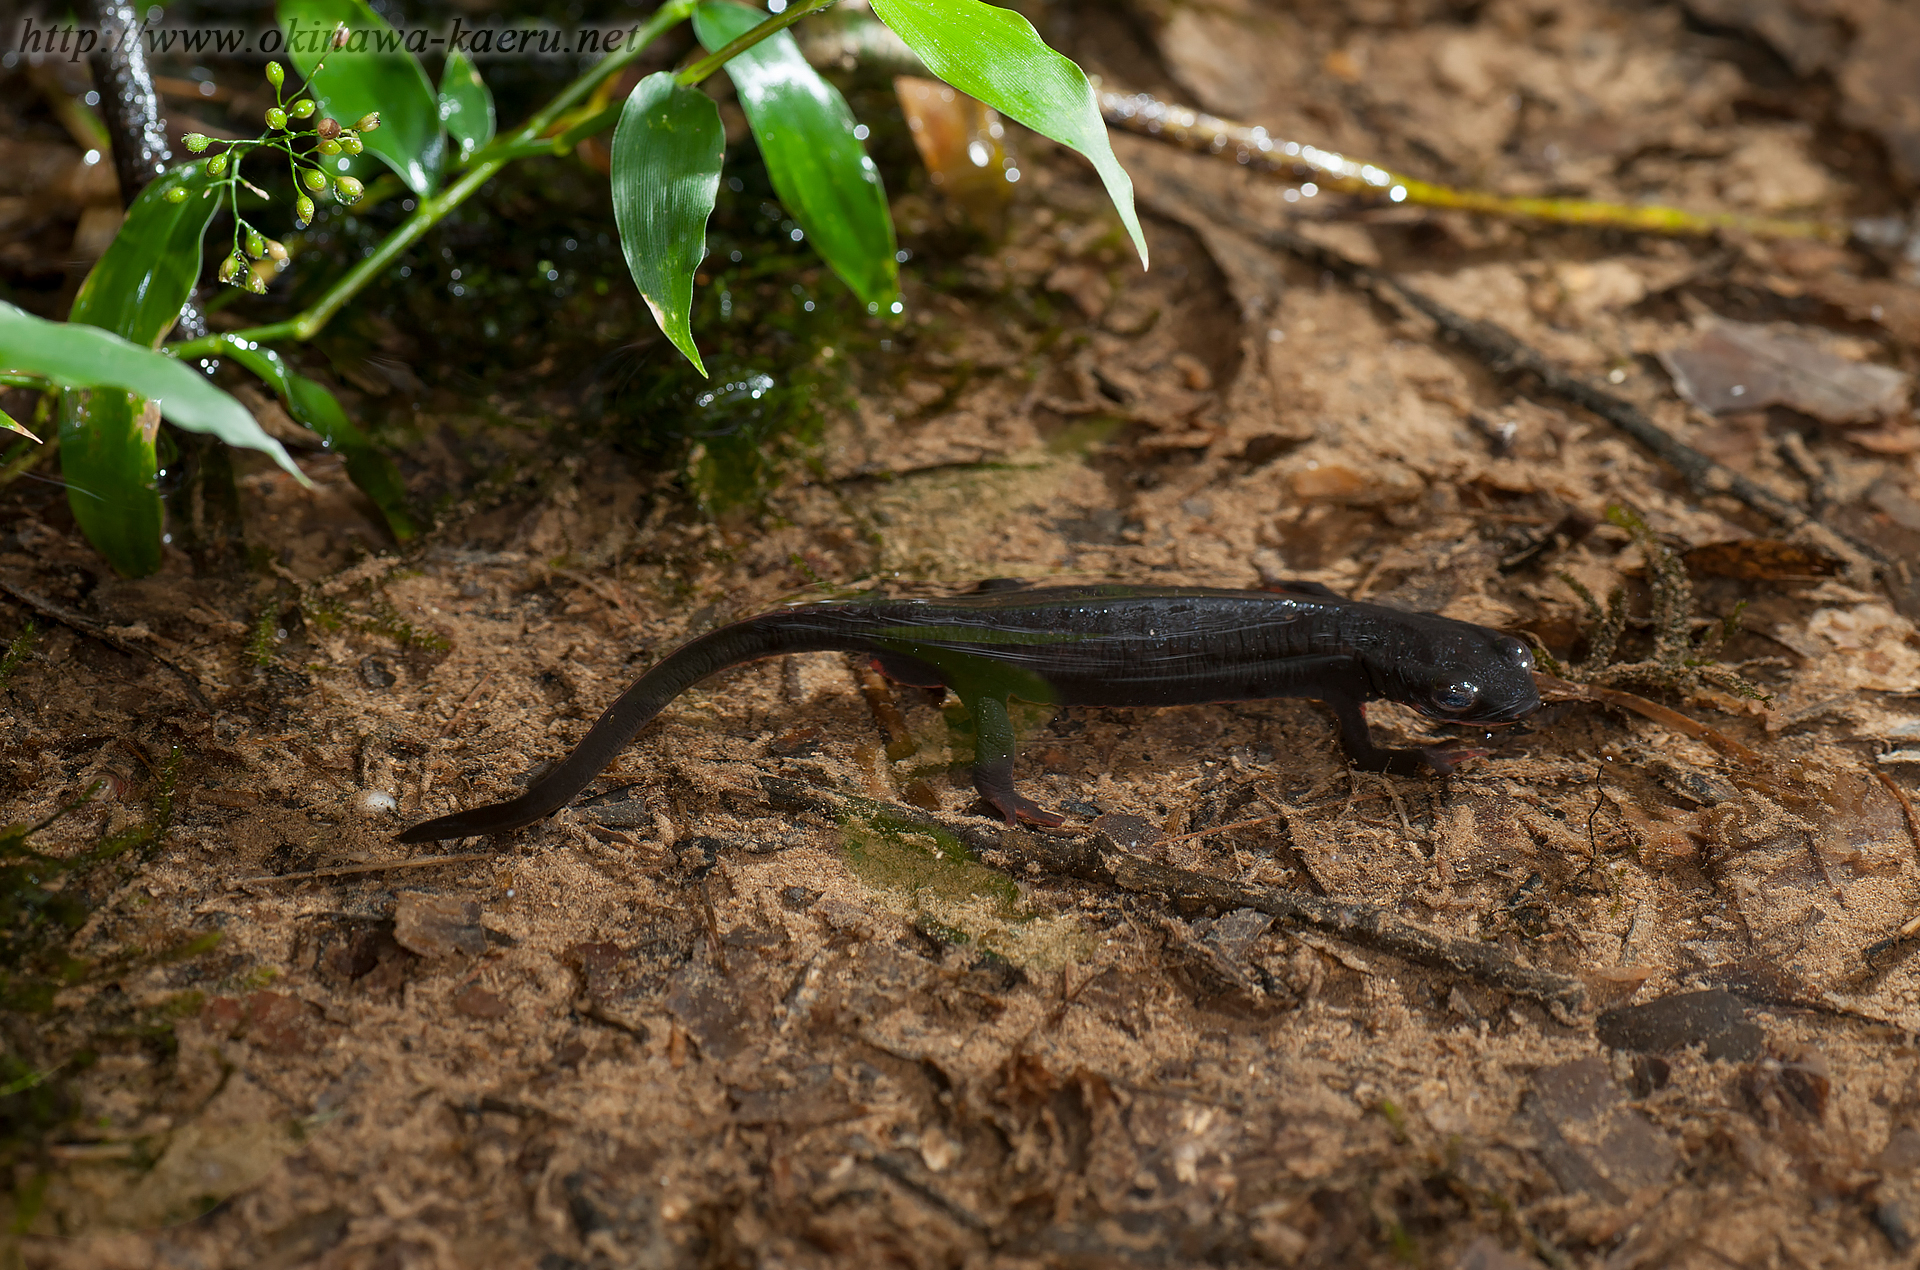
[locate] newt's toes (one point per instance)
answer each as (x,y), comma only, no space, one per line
(1443,760)
(1017,809)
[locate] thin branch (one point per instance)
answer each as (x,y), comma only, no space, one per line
(1253,147)
(29,456)
(1093,858)
(350,870)
(1666,716)
(740,44)
(460,711)
(1906,806)
(94,631)
(484,165)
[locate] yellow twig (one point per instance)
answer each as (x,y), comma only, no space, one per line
(1325,170)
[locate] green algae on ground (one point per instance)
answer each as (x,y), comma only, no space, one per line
(46,1041)
(927,875)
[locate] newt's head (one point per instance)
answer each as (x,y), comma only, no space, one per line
(1469,674)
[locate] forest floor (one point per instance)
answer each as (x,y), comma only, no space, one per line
(779,995)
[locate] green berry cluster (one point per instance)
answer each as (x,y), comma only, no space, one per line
(307,142)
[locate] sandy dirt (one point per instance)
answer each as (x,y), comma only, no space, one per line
(679,1025)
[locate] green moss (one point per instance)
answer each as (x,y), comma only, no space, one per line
(44,899)
(17,652)
(928,876)
(385,620)
(330,614)
(1084,435)
(261,638)
(1679,660)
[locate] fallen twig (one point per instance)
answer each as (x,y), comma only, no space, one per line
(1251,146)
(1874,952)
(347,870)
(879,694)
(94,631)
(460,711)
(1237,824)
(1906,805)
(894,1166)
(1558,689)
(1093,858)
(25,458)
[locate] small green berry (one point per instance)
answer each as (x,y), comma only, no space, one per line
(197,141)
(255,283)
(276,74)
(276,251)
(256,243)
(368,122)
(302,109)
(314,179)
(217,165)
(230,267)
(351,143)
(328,148)
(175,195)
(302,212)
(348,190)
(276,118)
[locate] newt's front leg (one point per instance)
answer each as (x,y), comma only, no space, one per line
(993,764)
(1340,683)
(1357,741)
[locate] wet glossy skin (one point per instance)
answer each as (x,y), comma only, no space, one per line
(1091,646)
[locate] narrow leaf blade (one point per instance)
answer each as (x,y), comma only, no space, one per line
(79,356)
(820,170)
(667,151)
(995,55)
(12,424)
(375,71)
(108,462)
(466,105)
(309,402)
(136,289)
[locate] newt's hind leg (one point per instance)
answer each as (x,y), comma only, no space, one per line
(993,764)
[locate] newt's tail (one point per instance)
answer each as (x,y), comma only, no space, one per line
(771,635)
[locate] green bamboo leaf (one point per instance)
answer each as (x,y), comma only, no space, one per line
(108,462)
(75,355)
(376,71)
(309,402)
(138,286)
(466,107)
(12,424)
(667,150)
(995,55)
(818,167)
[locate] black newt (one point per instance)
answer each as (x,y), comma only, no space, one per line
(1090,646)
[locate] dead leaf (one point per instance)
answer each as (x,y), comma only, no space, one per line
(437,925)
(1887,440)
(1759,560)
(959,139)
(477,1003)
(1735,366)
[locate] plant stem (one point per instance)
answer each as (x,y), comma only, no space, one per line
(26,458)
(432,210)
(772,26)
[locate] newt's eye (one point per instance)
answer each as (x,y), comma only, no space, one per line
(1517,653)
(1453,698)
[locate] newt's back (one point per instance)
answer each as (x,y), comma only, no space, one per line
(1144,646)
